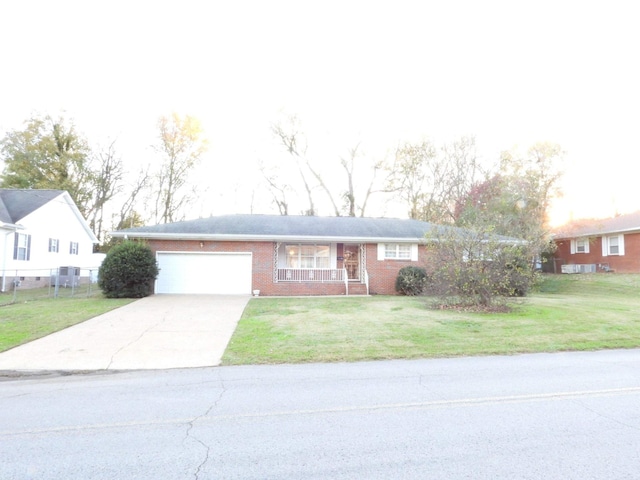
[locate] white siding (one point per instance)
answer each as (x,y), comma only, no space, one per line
(55,219)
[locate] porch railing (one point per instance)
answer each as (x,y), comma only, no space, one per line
(366,280)
(319,275)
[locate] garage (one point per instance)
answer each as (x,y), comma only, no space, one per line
(204,273)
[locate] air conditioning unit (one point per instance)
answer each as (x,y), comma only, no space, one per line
(68,277)
(579,268)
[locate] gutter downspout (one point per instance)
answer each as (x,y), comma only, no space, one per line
(12,229)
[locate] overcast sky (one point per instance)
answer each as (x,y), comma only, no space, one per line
(509,73)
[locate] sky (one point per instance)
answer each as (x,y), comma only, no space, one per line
(355,72)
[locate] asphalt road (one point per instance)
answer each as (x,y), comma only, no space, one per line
(546,416)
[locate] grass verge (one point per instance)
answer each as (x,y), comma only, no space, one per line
(567,312)
(26,321)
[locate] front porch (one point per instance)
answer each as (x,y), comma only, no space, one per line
(315,269)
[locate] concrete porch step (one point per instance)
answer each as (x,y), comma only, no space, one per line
(357,289)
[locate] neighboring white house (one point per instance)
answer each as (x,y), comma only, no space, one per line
(42,234)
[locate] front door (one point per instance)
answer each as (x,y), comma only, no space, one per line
(352,261)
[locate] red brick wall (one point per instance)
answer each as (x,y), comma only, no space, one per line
(262,265)
(627,263)
(382,274)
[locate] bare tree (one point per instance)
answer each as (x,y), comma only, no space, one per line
(127,217)
(107,183)
(278,189)
(410,177)
(290,137)
(349,165)
(463,170)
(431,181)
(181,145)
(313,178)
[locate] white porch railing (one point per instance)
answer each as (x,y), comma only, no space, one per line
(319,275)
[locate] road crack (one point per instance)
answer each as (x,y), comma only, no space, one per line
(191,436)
(607,417)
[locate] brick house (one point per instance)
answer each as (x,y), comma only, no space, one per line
(283,255)
(602,245)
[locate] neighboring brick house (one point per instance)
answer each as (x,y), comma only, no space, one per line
(283,255)
(602,245)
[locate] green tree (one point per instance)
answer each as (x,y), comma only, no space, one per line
(48,153)
(180,145)
(515,201)
(128,271)
(504,221)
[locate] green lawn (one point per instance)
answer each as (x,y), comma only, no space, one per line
(567,312)
(39,316)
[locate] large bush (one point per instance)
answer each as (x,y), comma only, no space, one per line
(128,271)
(479,269)
(411,280)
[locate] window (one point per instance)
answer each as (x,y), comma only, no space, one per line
(22,246)
(399,251)
(308,256)
(580,245)
(73,248)
(53,245)
(613,245)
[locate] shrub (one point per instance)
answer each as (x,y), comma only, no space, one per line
(128,271)
(411,280)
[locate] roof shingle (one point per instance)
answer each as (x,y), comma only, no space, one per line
(601,226)
(15,204)
(279,226)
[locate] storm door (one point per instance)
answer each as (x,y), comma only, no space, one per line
(352,261)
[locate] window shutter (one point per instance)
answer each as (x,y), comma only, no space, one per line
(620,244)
(15,246)
(70,247)
(573,247)
(414,252)
(605,247)
(28,255)
(381,251)
(586,245)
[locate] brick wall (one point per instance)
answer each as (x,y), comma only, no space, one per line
(627,263)
(382,274)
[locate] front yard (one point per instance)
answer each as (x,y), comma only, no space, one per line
(567,312)
(579,312)
(38,315)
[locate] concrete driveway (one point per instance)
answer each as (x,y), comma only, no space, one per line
(161,331)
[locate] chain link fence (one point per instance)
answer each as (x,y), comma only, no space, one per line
(61,282)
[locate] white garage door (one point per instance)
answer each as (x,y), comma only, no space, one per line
(209,273)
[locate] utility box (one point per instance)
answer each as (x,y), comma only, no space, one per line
(68,277)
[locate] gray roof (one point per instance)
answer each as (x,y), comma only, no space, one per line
(15,204)
(289,227)
(594,227)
